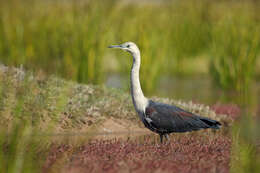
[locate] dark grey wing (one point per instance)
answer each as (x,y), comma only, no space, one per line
(164,118)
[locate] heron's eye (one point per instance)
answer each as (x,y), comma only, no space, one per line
(128,46)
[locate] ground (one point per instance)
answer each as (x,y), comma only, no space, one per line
(122,146)
(193,152)
(86,128)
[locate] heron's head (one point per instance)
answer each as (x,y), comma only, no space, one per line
(127,46)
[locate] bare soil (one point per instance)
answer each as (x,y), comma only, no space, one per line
(121,129)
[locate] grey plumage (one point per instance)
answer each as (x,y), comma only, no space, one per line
(163,119)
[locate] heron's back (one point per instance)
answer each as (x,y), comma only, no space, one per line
(164,118)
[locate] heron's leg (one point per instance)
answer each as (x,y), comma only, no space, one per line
(161,138)
(167,137)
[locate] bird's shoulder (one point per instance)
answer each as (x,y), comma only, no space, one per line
(156,108)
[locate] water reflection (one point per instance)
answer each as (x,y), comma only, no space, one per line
(199,89)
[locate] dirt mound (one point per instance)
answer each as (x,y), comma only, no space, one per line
(118,128)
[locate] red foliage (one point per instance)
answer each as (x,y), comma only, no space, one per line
(228,109)
(188,153)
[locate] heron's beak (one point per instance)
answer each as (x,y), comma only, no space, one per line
(115,46)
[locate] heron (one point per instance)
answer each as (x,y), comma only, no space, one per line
(160,118)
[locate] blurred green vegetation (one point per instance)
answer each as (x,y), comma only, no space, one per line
(69,38)
(19,149)
(245,151)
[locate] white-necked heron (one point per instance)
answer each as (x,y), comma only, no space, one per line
(159,117)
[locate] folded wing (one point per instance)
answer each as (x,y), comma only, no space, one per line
(164,118)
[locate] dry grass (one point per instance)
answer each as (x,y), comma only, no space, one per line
(59,105)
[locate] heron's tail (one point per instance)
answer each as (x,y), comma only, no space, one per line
(211,123)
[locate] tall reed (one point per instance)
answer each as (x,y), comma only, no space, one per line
(69,38)
(235,46)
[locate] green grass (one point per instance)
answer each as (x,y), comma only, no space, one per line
(245,148)
(70,38)
(234,51)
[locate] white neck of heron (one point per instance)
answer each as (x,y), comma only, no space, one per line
(139,100)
